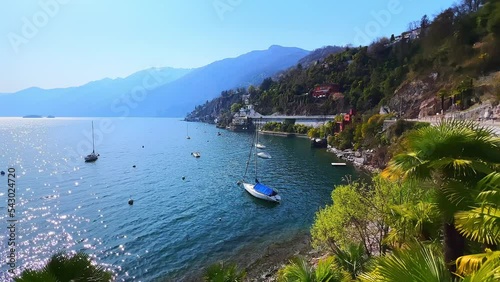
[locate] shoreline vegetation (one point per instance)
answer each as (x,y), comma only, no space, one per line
(429,215)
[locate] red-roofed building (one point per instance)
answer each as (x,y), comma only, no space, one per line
(348,118)
(325,90)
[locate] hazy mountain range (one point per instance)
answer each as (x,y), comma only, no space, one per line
(168,92)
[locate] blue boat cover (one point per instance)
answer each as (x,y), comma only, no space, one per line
(261,188)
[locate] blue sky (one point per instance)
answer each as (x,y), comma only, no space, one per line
(61,43)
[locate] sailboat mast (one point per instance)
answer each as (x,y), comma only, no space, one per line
(256,142)
(93,148)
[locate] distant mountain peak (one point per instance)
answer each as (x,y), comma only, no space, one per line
(170,91)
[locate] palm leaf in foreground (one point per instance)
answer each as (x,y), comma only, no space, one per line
(299,271)
(418,264)
(222,272)
(63,268)
(472,264)
(482,223)
(482,267)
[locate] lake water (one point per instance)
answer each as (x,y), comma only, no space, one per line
(175,227)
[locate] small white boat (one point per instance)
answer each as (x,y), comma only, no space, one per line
(339,164)
(196,154)
(260,146)
(263,155)
(262,192)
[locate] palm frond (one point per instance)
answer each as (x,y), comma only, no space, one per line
(419,264)
(36,276)
(62,267)
(223,272)
(488,272)
(353,259)
(296,271)
(470,264)
(407,165)
(459,194)
(413,219)
(480,224)
(490,188)
(328,271)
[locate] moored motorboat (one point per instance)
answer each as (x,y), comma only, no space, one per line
(339,164)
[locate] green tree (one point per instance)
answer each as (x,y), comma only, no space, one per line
(360,214)
(450,158)
(236,107)
(63,268)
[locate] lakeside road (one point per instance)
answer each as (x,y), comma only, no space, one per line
(282,134)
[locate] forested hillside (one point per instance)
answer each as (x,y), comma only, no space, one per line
(437,62)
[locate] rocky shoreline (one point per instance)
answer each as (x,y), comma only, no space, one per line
(265,268)
(357,158)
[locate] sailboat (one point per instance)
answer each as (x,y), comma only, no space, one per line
(92,157)
(264,155)
(258,189)
(260,146)
(187,131)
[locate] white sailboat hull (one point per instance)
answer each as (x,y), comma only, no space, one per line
(260,146)
(264,155)
(250,189)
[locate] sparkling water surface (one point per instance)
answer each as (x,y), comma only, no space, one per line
(175,227)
